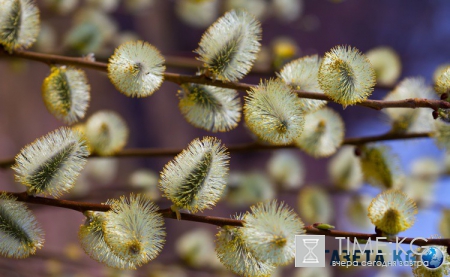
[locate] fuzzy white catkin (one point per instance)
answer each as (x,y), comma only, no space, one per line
(323,133)
(392,211)
(51,164)
(345,169)
(302,74)
(134,230)
(386,63)
(211,108)
(196,178)
(199,14)
(107,132)
(136,69)
(92,241)
(20,233)
(286,169)
(66,93)
(346,75)
(315,205)
(270,230)
(273,112)
(233,252)
(19,24)
(244,189)
(230,46)
(410,120)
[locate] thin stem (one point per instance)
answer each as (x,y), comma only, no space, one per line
(218,221)
(384,137)
(182,79)
(191,63)
(267,69)
(243,147)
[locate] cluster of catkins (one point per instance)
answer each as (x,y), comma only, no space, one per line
(131,232)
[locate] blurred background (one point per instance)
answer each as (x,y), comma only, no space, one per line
(418,31)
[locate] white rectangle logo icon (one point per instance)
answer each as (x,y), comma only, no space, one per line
(310,251)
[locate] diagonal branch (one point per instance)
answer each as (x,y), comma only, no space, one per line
(181,79)
(218,221)
(267,69)
(243,147)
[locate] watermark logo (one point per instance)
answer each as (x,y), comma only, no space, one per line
(310,251)
(433,258)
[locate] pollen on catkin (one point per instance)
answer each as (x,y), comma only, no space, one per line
(392,212)
(270,230)
(51,164)
(442,84)
(134,230)
(322,134)
(386,63)
(233,252)
(107,132)
(439,70)
(20,233)
(346,75)
(81,128)
(380,166)
(229,47)
(273,112)
(136,69)
(92,241)
(302,74)
(66,93)
(195,178)
(406,119)
(19,24)
(211,108)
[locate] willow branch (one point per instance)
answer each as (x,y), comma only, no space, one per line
(218,221)
(191,63)
(256,146)
(385,137)
(182,79)
(243,147)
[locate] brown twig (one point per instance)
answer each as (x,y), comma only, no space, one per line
(192,63)
(218,221)
(267,70)
(182,79)
(243,147)
(384,137)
